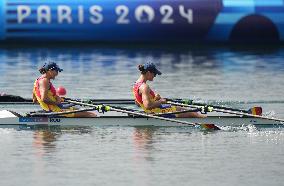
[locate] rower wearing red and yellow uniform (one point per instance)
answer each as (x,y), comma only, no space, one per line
(44,93)
(151,102)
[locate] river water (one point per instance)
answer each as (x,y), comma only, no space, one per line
(237,77)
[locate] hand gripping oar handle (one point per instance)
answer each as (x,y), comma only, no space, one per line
(120,109)
(227,111)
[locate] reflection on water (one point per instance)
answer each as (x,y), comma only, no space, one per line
(45,137)
(143,135)
(43,142)
(143,143)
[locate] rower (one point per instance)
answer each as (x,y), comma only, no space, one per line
(151,102)
(44,93)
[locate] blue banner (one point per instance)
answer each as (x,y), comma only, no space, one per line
(141,20)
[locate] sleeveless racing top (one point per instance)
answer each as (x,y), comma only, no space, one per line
(51,95)
(164,108)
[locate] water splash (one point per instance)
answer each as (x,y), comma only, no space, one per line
(248,128)
(6,131)
(275,136)
(270,114)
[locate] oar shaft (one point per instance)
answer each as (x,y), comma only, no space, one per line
(246,114)
(16,103)
(221,107)
(209,105)
(118,109)
(153,116)
(229,112)
(99,102)
(61,113)
(177,112)
(13,99)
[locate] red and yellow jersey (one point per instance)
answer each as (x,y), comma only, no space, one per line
(138,98)
(51,94)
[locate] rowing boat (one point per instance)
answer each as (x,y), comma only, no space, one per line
(9,118)
(111,115)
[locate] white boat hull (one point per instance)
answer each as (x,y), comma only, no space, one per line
(14,120)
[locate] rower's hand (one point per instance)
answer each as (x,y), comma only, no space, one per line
(58,100)
(163,100)
(34,99)
(136,103)
(157,97)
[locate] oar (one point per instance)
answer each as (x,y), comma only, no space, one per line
(177,112)
(253,110)
(123,110)
(226,111)
(61,113)
(11,99)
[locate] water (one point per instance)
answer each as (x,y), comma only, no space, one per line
(148,156)
(141,156)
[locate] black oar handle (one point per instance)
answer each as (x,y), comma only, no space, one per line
(191,102)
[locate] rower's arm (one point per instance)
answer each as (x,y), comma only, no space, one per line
(157,97)
(34,98)
(146,97)
(43,88)
(136,103)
